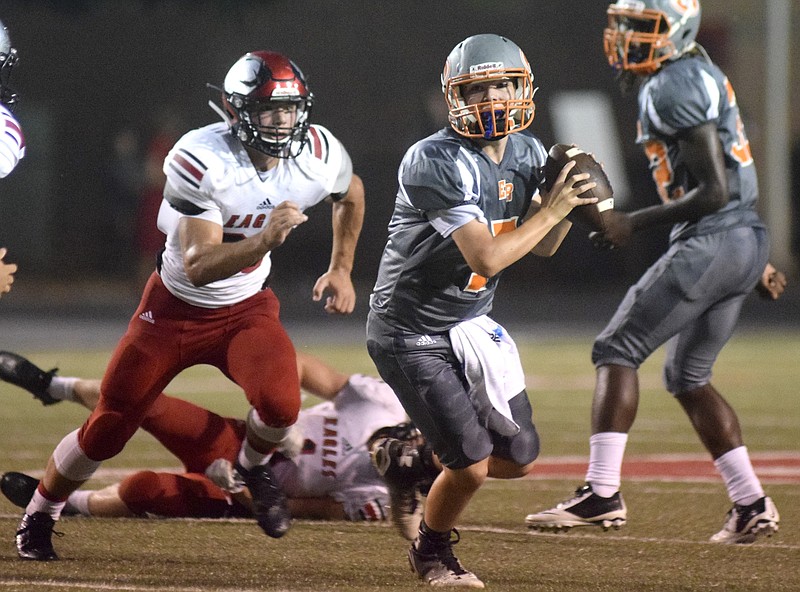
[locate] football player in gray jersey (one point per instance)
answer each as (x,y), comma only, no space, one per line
(690,299)
(463,213)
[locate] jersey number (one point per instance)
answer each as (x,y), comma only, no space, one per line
(661,167)
(741,148)
(477,283)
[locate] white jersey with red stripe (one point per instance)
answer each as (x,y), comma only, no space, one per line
(211,177)
(333,459)
(12,142)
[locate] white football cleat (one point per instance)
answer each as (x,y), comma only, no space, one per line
(586,508)
(744,524)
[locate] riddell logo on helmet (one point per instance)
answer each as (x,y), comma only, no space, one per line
(487,66)
(287,89)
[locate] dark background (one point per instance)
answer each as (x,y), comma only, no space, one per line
(94,73)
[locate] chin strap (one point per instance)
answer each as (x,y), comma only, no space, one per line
(219,111)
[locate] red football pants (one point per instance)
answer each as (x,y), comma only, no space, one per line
(197,437)
(246,341)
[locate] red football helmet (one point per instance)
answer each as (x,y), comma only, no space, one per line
(264,80)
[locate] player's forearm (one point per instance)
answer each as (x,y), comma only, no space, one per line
(552,240)
(347,220)
(208,263)
(509,247)
(699,202)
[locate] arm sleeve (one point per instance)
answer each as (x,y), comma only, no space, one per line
(334,159)
(361,504)
(12,144)
(191,179)
(682,102)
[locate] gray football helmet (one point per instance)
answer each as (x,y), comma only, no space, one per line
(642,34)
(8,57)
(488,57)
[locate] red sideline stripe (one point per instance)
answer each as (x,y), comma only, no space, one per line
(778,467)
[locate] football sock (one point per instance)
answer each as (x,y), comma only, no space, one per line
(78,501)
(430,541)
(249,457)
(62,388)
(40,503)
(740,479)
(606,450)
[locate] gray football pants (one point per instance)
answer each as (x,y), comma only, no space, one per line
(690,298)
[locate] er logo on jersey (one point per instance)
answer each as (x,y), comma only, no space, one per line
(505,190)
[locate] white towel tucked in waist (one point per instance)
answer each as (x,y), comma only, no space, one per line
(490,361)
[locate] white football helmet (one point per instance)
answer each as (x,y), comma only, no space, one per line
(488,57)
(258,81)
(8,57)
(642,34)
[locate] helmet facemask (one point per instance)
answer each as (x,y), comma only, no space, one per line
(276,141)
(643,34)
(637,42)
(494,119)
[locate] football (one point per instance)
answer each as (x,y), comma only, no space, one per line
(591,215)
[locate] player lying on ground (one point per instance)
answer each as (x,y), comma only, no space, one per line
(324,466)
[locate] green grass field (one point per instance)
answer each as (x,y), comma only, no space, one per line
(663,548)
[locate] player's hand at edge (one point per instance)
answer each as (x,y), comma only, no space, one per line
(343,297)
(772,283)
(7,271)
(619,230)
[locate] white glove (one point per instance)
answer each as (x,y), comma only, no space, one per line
(224,476)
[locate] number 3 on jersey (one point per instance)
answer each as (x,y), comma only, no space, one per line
(661,167)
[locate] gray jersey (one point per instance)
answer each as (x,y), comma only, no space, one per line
(691,297)
(684,94)
(424,284)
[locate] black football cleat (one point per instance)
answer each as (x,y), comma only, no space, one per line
(34,537)
(17,370)
(18,488)
(269,501)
